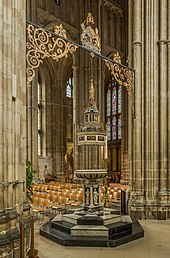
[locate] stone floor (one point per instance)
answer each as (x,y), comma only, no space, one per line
(155,244)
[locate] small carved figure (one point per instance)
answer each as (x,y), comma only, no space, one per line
(91,90)
(95,196)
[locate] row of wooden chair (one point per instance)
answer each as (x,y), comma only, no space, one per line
(41,205)
(56,186)
(50,195)
(73,199)
(74,196)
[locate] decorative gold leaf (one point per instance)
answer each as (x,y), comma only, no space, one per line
(41,45)
(123,76)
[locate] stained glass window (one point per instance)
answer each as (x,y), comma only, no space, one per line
(119,99)
(114,129)
(119,128)
(113,110)
(109,103)
(109,129)
(114,99)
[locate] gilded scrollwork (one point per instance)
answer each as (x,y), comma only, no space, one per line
(124,76)
(42,44)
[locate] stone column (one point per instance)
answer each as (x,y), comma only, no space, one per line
(130,120)
(58,129)
(124,139)
(13,125)
(136,129)
(150,112)
(163,106)
(75,89)
(148,151)
(32,127)
(168,90)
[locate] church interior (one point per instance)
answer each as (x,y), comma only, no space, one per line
(85,128)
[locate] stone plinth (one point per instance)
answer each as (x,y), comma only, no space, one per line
(109,230)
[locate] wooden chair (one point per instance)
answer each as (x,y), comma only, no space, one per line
(80,198)
(43,188)
(46,203)
(74,200)
(36,206)
(56,205)
(46,196)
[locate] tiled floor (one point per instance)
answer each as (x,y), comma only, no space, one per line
(155,244)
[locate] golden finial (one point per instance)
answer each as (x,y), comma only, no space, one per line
(90,19)
(58,29)
(116,57)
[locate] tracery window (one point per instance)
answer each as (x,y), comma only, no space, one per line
(69,111)
(69,87)
(113,113)
(39,97)
(113,120)
(69,127)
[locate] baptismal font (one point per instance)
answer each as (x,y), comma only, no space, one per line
(92,134)
(91,224)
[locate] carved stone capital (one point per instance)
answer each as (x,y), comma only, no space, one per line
(136,44)
(161,42)
(168,42)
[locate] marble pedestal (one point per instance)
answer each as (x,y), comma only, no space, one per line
(109,230)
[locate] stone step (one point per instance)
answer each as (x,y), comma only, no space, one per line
(62,226)
(71,218)
(126,218)
(120,234)
(90,220)
(89,230)
(120,227)
(100,241)
(110,219)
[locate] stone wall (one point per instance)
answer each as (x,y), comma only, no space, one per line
(13,123)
